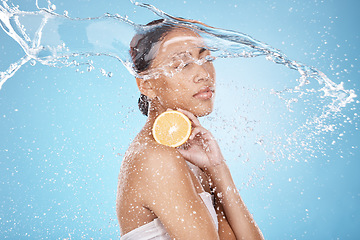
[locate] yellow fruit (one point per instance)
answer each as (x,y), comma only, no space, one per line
(171,128)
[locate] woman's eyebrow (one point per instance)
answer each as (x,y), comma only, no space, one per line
(202,50)
(188,54)
(177,55)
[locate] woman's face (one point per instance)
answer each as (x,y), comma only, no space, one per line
(186,74)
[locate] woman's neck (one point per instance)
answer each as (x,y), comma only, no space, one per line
(155,109)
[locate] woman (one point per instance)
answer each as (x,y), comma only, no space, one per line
(164,192)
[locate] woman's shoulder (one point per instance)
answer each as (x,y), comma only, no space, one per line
(146,154)
(150,168)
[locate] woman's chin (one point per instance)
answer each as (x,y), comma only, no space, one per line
(203,115)
(202,112)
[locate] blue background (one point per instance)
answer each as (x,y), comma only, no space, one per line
(63,133)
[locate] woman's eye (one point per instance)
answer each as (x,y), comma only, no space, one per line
(180,66)
(176,65)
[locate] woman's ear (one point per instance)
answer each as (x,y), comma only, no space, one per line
(145,88)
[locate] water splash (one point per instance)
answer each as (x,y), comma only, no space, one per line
(230,44)
(41,36)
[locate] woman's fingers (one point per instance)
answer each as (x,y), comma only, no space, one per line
(194,133)
(198,130)
(205,134)
(191,116)
(184,152)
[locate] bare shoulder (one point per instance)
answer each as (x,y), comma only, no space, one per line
(144,174)
(161,164)
(163,158)
(148,163)
(157,178)
(150,171)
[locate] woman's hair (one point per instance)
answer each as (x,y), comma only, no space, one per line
(140,49)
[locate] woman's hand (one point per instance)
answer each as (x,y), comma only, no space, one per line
(201,149)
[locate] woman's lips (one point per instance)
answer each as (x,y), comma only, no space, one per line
(204,93)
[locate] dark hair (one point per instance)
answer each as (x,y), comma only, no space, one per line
(141,46)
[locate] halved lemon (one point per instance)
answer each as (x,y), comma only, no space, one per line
(171,128)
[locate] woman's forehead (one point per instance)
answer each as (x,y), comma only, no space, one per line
(181,40)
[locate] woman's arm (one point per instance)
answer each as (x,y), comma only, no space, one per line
(237,214)
(203,151)
(169,192)
(225,231)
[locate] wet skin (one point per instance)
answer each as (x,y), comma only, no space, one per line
(154,180)
(187,76)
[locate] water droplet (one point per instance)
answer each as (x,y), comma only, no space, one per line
(52,7)
(90,68)
(103,72)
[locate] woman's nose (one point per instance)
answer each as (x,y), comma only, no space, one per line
(201,74)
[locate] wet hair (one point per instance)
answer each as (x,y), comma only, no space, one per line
(140,48)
